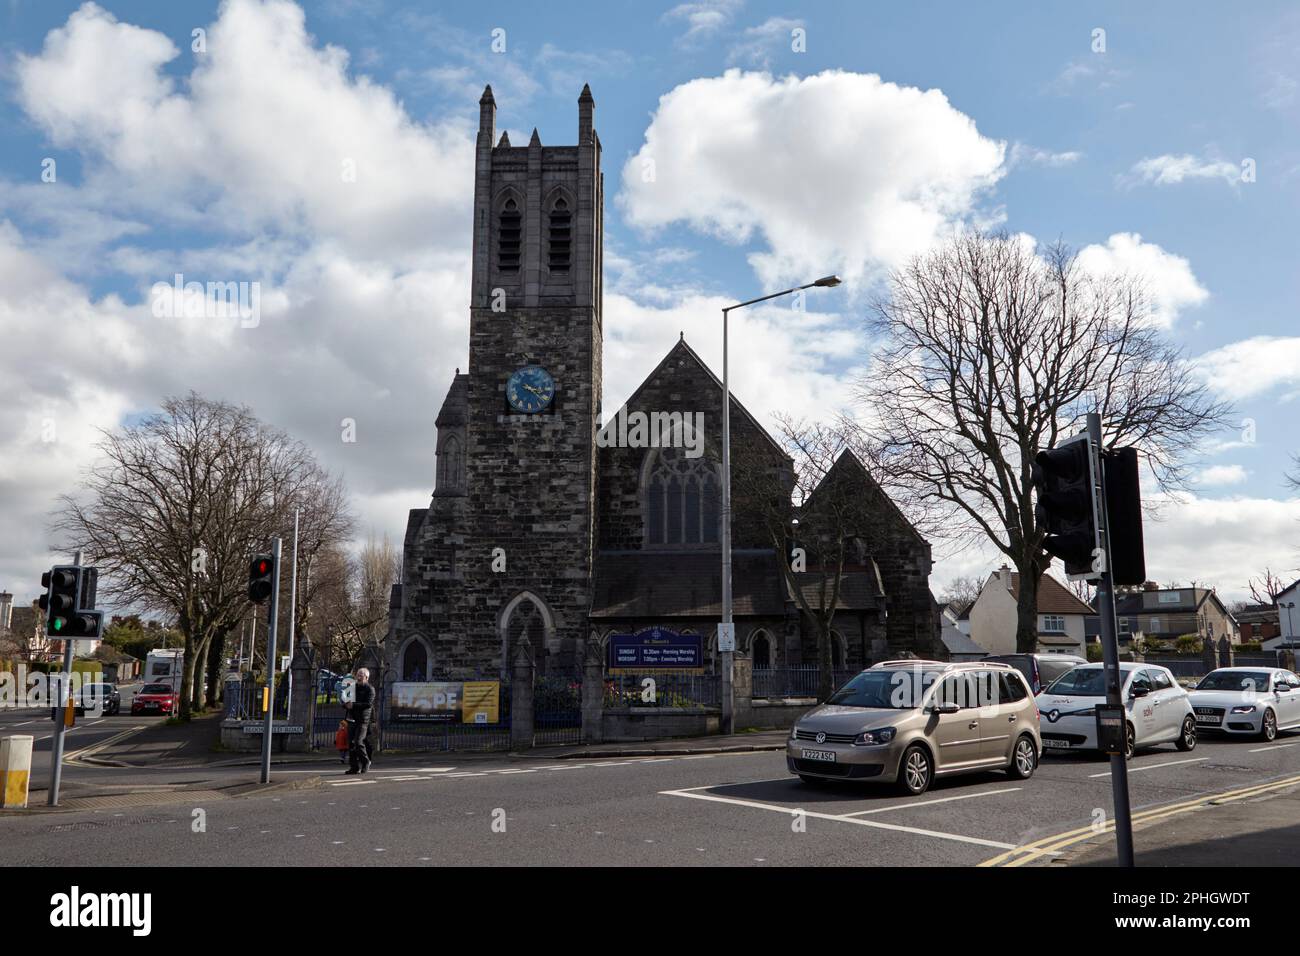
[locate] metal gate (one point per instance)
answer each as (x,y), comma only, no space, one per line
(557,709)
(402,732)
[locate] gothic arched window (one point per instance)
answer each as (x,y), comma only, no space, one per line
(450,465)
(508,237)
(682,500)
(560,236)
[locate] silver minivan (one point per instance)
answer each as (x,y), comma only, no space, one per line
(907,722)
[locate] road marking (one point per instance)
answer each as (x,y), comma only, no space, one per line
(1154,766)
(1049,845)
(1260,750)
(917,831)
(350,783)
(928,803)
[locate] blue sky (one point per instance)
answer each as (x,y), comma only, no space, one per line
(211,164)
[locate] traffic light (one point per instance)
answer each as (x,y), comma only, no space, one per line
(65,617)
(1128,563)
(261,571)
(1062,477)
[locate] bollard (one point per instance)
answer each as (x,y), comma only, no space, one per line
(15,769)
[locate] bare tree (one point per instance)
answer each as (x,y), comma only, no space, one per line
(175,507)
(822,515)
(991,351)
(353,600)
(962,591)
(1265,588)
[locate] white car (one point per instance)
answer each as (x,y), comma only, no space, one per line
(1158,710)
(1258,701)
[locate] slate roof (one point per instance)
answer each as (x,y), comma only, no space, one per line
(663,584)
(1053,596)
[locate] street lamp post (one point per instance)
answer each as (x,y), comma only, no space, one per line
(727,632)
(1290,627)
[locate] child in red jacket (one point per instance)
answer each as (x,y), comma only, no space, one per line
(341,741)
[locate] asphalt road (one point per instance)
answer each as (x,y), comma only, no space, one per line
(733,809)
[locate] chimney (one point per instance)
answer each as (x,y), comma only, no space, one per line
(1150,586)
(1004,575)
(6,609)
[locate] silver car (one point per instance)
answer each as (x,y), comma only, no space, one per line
(907,722)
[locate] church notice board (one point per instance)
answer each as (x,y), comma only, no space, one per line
(655,649)
(466,702)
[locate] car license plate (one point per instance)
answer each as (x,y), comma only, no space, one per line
(827,756)
(1056,744)
(1209,719)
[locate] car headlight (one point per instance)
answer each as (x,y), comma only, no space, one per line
(1245,709)
(794,733)
(872,738)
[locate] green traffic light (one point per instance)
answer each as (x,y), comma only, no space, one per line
(58,623)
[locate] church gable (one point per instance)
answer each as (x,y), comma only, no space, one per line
(680,385)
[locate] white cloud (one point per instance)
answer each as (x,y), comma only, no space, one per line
(1168,278)
(1168,169)
(703,18)
(840,172)
(263,136)
(1254,366)
(1222,475)
(1022,154)
(758,44)
(780,359)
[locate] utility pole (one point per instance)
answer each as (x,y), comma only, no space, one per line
(1110,645)
(270,662)
(293,612)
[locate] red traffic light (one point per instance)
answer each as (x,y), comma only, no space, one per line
(260,572)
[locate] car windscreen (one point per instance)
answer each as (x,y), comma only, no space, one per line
(1082,681)
(1235,680)
(156,689)
(893,689)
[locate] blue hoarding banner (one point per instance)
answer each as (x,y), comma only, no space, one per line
(655,647)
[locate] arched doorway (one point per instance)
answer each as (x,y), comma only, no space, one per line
(760,650)
(415,660)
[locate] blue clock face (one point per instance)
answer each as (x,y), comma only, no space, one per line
(530,390)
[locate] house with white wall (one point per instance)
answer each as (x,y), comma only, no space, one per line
(1062,617)
(1288,618)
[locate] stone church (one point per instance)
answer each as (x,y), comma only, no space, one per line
(536,529)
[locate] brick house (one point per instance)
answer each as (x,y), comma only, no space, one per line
(1165,614)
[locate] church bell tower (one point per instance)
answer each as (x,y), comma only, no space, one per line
(533,388)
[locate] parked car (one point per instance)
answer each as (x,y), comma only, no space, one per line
(156,699)
(96,698)
(1039,669)
(1258,701)
(1158,710)
(908,722)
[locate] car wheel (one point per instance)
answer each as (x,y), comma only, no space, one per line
(1268,728)
(915,770)
(1025,759)
(1130,741)
(1187,737)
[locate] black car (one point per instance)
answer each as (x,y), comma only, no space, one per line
(1039,669)
(93,697)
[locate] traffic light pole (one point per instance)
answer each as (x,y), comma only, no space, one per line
(1110,650)
(61,718)
(270,664)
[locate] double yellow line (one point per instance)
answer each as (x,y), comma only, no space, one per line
(1052,845)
